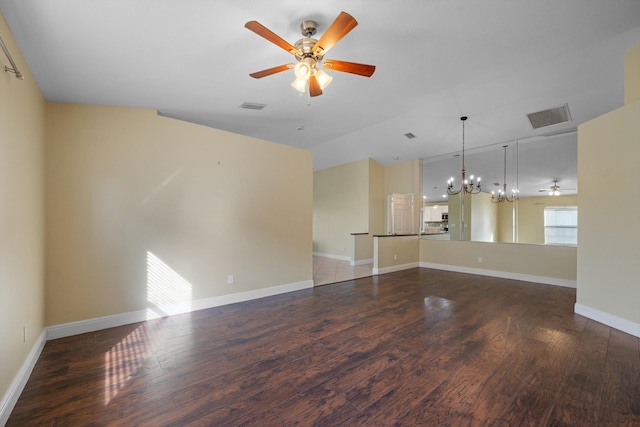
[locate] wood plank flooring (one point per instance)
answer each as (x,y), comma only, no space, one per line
(417,347)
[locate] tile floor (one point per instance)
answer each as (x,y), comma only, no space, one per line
(329,270)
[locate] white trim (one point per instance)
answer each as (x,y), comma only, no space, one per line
(98,323)
(393,268)
(333,256)
(362,261)
(95,324)
(20,380)
(608,319)
(251,295)
(503,274)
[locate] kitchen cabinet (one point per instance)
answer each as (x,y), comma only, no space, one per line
(434,213)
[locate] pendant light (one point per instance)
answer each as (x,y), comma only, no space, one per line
(466,186)
(502,197)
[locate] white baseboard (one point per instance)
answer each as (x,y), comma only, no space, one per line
(608,319)
(362,261)
(251,295)
(94,324)
(333,256)
(99,323)
(20,380)
(393,268)
(502,274)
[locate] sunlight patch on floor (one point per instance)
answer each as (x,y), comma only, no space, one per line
(168,293)
(123,360)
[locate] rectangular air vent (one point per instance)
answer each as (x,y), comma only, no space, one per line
(409,135)
(552,116)
(252,106)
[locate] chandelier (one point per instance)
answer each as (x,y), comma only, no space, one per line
(466,186)
(502,194)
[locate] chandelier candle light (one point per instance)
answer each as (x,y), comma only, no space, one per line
(467,186)
(502,194)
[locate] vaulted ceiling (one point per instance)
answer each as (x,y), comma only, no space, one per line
(494,61)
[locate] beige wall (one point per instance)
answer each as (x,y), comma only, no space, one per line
(340,207)
(480,217)
(399,178)
(361,248)
(557,262)
(341,195)
(131,194)
(377,199)
(632,75)
(609,202)
(531,216)
(395,250)
(484,218)
(22,127)
(351,198)
(455,211)
(505,222)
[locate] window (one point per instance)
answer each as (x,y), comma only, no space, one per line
(561,225)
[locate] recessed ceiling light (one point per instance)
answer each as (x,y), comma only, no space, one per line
(396,158)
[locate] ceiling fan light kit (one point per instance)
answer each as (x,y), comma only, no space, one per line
(555,189)
(309,53)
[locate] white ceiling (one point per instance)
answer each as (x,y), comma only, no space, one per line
(494,61)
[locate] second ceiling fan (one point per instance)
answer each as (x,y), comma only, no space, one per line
(555,189)
(310,52)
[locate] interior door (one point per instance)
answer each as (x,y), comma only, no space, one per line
(400,214)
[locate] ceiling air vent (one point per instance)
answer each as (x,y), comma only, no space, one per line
(552,116)
(409,135)
(252,106)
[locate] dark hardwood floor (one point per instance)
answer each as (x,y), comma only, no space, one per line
(417,347)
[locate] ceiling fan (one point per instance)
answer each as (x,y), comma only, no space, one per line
(309,53)
(555,189)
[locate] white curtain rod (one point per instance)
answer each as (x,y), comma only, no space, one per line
(14,68)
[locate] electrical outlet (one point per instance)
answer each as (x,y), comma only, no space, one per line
(479,260)
(230,279)
(25,333)
(395,257)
